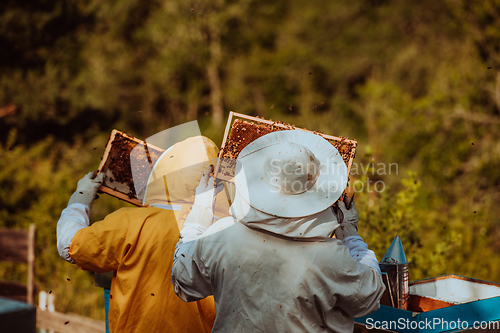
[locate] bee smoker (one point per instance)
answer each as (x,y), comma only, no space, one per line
(394,267)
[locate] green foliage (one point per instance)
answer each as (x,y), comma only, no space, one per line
(417,83)
(36,185)
(386,214)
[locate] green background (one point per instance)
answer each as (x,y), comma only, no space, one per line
(416,83)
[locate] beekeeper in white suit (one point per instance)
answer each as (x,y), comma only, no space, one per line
(271,266)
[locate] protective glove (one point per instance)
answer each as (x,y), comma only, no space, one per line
(86,190)
(206,190)
(349,225)
(201,215)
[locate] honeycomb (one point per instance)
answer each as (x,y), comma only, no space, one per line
(129,164)
(243,132)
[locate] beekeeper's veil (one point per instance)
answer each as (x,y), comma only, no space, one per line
(286,182)
(177,173)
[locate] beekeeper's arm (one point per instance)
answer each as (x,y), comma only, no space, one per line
(347,232)
(359,288)
(102,246)
(76,215)
(370,287)
(189,277)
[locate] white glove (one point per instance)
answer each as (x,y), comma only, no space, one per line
(206,190)
(87,189)
(202,213)
(349,225)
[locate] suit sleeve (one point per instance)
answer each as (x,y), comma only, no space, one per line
(100,247)
(369,293)
(363,288)
(360,252)
(73,218)
(189,274)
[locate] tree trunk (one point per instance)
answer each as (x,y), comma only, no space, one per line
(214,78)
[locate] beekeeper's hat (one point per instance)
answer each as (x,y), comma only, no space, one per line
(290,173)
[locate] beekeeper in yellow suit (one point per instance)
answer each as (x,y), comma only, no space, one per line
(137,244)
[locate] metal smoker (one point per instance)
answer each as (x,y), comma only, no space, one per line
(394,267)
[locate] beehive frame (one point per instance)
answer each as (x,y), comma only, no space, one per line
(233,116)
(104,160)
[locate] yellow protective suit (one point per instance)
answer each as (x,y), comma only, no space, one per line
(138,245)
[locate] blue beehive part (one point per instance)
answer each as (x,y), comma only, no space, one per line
(16,316)
(395,254)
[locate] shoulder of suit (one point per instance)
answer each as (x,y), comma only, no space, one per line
(135,212)
(219,226)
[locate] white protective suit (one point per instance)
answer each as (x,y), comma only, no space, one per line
(272,274)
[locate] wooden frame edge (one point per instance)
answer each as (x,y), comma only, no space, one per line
(107,149)
(108,190)
(224,140)
(235,115)
(269,122)
(31,264)
(120,195)
(458,277)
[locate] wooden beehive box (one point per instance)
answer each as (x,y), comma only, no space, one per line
(446,303)
(127,163)
(242,129)
(448,290)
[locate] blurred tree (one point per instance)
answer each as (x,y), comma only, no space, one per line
(36,184)
(417,83)
(42,43)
